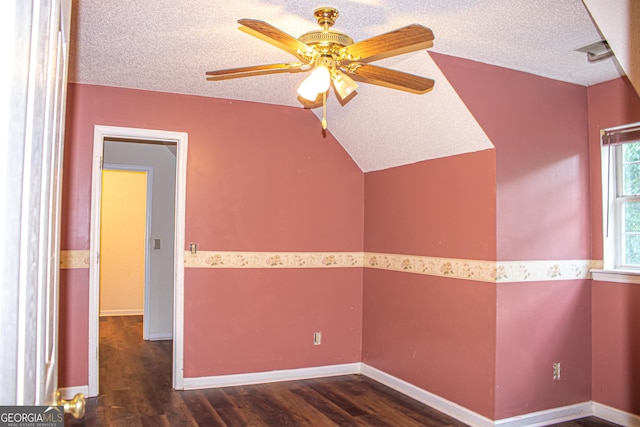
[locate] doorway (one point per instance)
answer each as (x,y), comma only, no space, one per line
(165,291)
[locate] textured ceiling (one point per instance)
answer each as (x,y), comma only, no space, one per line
(167,45)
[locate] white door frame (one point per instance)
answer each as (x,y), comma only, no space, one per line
(147,235)
(181,140)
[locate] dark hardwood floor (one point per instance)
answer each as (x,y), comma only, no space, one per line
(135,390)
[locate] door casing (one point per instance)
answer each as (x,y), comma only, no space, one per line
(181,139)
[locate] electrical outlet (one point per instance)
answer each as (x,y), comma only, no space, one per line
(556,371)
(317,338)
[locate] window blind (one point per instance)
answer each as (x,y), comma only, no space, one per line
(621,135)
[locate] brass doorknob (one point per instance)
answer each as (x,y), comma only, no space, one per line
(74,406)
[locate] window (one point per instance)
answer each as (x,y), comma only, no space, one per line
(621,194)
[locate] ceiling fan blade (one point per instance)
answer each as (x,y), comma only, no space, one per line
(391,78)
(254,71)
(277,37)
(403,40)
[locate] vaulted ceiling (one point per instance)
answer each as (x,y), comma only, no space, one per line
(167,45)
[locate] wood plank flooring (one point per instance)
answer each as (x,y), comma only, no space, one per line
(135,390)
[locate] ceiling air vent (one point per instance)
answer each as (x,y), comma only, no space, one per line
(596,51)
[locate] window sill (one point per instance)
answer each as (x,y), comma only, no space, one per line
(618,276)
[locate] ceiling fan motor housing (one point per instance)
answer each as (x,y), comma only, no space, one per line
(326,16)
(326,42)
(326,38)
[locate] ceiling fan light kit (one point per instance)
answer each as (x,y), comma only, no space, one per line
(343,84)
(335,60)
(318,82)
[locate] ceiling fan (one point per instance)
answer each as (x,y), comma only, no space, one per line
(334,59)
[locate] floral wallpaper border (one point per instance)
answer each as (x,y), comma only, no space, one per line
(210,259)
(484,271)
(533,271)
(477,270)
(74,259)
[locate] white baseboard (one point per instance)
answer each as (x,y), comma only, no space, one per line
(124,312)
(467,416)
(549,416)
(67,393)
(615,415)
(452,409)
(160,336)
(270,376)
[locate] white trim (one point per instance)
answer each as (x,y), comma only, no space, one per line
(94,263)
(271,376)
(549,416)
(68,393)
(621,128)
(618,276)
(147,240)
(608,207)
(181,140)
(612,199)
(123,312)
(178,255)
(467,416)
(615,415)
(160,336)
(443,405)
(460,413)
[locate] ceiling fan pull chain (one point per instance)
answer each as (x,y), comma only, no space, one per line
(324,110)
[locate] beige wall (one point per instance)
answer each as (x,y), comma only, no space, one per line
(122,242)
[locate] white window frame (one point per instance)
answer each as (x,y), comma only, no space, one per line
(613,270)
(620,200)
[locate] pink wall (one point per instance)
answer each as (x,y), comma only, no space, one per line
(254,184)
(435,333)
(260,178)
(616,306)
(539,129)
(264,320)
(443,208)
(616,345)
(539,324)
(73,328)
